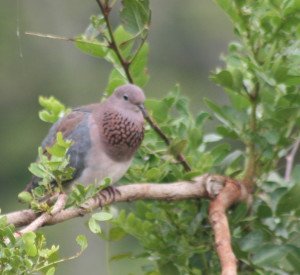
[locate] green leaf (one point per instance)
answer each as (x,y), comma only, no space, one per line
(229,7)
(226,132)
(135,15)
(29,244)
(92,47)
(60,147)
(116,79)
(201,118)
(223,78)
(82,242)
(178,146)
(56,150)
(239,101)
(53,109)
(94,226)
(251,241)
(232,157)
(292,80)
(25,197)
(124,41)
(37,170)
(293,257)
(269,254)
(116,234)
(290,200)
(121,256)
(272,136)
(168,268)
(296,173)
(239,213)
(153,174)
(51,271)
(158,108)
(97,21)
(138,67)
(217,110)
(102,216)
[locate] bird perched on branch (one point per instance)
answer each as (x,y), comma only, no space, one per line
(105,136)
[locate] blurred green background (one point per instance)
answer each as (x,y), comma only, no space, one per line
(186,40)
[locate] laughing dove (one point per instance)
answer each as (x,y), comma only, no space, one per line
(105,136)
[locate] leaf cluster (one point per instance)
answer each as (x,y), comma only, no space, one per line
(29,254)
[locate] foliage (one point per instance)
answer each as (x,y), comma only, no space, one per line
(255,131)
(53,109)
(51,170)
(29,254)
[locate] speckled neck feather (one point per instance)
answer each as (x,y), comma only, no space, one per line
(122,135)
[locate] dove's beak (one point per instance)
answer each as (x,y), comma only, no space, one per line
(143,110)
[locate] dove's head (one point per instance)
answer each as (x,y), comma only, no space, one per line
(129,98)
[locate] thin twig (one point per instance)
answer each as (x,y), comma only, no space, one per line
(105,9)
(290,160)
(52,36)
(46,216)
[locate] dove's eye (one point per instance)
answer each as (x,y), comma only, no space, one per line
(125,97)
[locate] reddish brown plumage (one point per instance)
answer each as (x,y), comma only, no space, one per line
(121,134)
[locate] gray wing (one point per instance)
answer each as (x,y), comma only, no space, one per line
(73,126)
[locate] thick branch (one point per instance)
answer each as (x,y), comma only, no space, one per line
(231,193)
(202,186)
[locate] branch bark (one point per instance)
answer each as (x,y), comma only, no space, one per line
(58,206)
(202,186)
(232,192)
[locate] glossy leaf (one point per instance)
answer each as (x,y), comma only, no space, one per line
(91,47)
(135,15)
(82,242)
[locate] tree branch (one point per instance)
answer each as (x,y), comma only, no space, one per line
(233,192)
(202,186)
(58,206)
(290,160)
(251,161)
